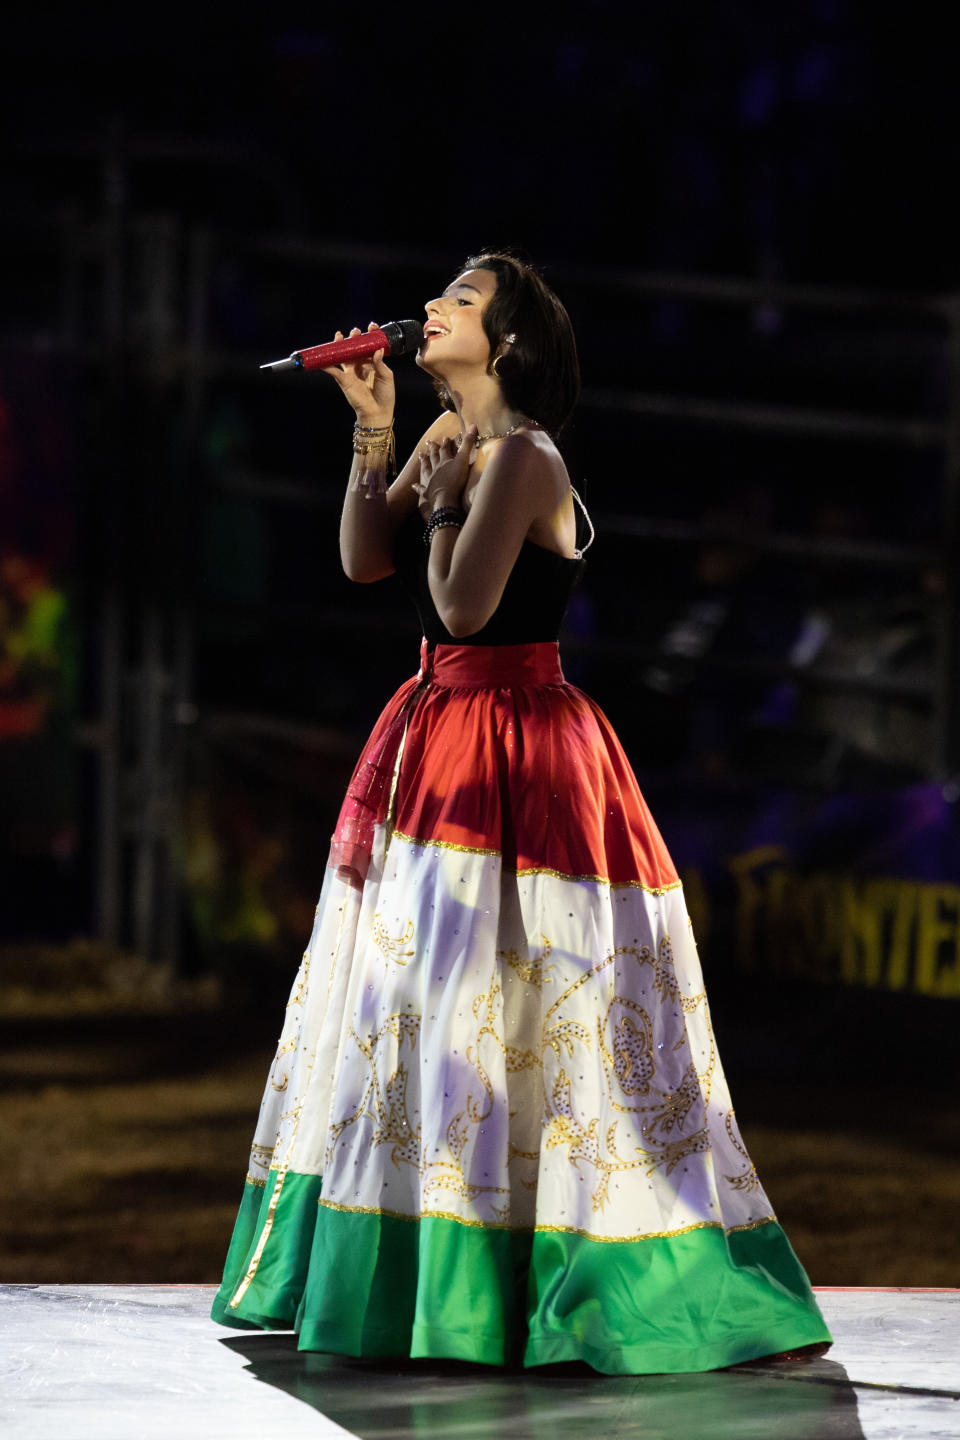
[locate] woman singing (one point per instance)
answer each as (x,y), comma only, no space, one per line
(497,1128)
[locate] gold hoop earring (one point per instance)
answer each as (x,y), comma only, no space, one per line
(493,366)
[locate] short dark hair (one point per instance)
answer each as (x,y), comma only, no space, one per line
(539,370)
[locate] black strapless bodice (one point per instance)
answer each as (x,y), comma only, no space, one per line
(532,605)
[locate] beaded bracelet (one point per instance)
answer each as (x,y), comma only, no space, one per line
(374,444)
(446,516)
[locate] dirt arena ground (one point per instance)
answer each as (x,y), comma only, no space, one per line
(128,1117)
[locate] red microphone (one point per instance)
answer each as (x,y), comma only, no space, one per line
(397,337)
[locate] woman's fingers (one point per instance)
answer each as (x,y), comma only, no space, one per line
(364,380)
(439,452)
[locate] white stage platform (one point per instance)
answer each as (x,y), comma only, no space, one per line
(137,1362)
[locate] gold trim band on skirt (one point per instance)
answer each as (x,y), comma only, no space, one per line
(548,1229)
(539,869)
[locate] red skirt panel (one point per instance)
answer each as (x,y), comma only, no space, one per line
(489,749)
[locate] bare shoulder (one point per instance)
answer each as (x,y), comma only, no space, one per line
(544,447)
(532,456)
(444,427)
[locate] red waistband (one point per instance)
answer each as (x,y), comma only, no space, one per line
(492,666)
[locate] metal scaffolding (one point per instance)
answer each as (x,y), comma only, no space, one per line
(154,349)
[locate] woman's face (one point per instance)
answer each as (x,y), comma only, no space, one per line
(453,332)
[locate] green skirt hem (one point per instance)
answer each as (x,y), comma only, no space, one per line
(250,1319)
(428,1343)
(425,1343)
(269,1253)
(374,1285)
(649,1359)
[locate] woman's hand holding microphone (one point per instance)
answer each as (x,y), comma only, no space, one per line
(367,385)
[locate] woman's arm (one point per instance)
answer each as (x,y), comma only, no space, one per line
(369,523)
(371,514)
(523,481)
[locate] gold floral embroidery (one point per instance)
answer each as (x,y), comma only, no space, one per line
(451,1175)
(706,1076)
(670,1124)
(388,1101)
(393,1126)
(666,982)
(515,1153)
(532,969)
(747,1179)
(675,1106)
(283,1050)
(632,1064)
(392,947)
(299,994)
(440,1175)
(669,1156)
(386,1104)
(583,1141)
(566,1033)
(484,1008)
(630,1067)
(261,1157)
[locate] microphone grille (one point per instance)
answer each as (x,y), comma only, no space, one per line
(404,335)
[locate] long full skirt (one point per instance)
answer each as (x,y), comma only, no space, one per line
(496,1127)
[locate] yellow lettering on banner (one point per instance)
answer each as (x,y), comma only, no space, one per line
(936,931)
(861,955)
(881,932)
(750,899)
(900,897)
(822,900)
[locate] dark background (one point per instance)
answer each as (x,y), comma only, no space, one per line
(747,209)
(814,142)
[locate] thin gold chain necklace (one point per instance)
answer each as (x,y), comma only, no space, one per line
(501,434)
